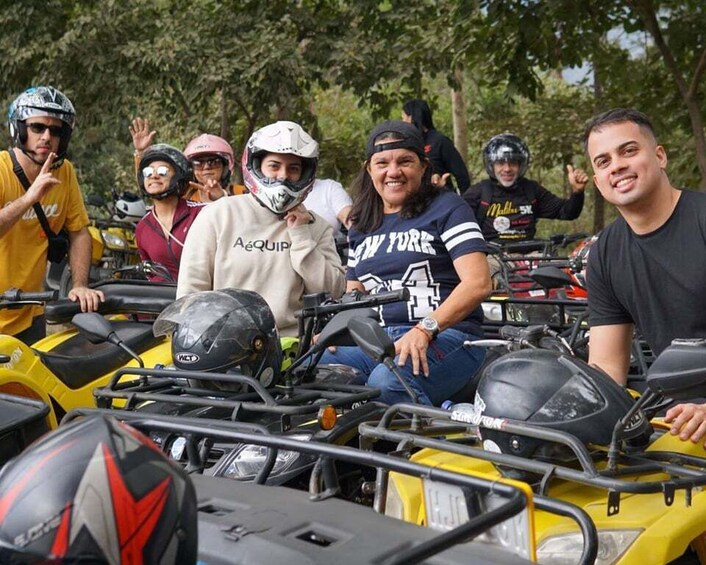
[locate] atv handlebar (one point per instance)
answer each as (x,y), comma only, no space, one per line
(17,295)
(354,300)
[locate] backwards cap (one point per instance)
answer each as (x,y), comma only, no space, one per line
(408,135)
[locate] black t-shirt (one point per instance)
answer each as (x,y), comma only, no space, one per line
(511,213)
(445,158)
(656,281)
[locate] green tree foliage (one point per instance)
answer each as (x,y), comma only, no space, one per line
(227,67)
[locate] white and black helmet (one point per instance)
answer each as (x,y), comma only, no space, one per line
(41,101)
(280,196)
(129,207)
(506,147)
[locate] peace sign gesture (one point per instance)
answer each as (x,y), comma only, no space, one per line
(44,181)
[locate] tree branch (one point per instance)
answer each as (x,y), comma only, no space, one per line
(698,73)
(647,13)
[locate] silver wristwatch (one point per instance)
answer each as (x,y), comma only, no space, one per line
(430,325)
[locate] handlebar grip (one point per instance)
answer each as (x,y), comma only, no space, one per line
(16,295)
(400,295)
(357,300)
(510,332)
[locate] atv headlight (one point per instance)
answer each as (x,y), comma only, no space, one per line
(492,311)
(566,549)
(112,241)
(249,459)
(394,505)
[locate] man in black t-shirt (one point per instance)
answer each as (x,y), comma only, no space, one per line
(646,269)
(507,205)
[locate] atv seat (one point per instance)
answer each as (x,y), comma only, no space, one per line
(77,362)
(133,297)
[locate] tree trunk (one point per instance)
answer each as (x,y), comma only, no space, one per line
(688,93)
(697,127)
(225,122)
(458,106)
(598,201)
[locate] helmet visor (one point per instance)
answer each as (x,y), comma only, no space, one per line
(188,314)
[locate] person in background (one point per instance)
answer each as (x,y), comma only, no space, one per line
(163,176)
(507,205)
(41,122)
(267,241)
(211,159)
(445,159)
(330,200)
(407,232)
(645,270)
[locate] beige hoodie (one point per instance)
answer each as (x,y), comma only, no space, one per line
(237,243)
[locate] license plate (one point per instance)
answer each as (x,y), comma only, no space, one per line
(448,506)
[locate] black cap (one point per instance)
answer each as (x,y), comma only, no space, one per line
(409,138)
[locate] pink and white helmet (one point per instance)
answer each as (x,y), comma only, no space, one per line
(280,196)
(207,144)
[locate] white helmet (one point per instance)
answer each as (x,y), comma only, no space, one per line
(129,207)
(280,196)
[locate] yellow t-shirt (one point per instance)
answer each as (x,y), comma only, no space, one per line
(23,249)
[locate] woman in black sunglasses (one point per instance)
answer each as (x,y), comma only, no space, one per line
(163,175)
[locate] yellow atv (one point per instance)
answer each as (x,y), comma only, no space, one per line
(63,368)
(574,436)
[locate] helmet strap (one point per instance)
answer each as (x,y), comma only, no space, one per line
(30,155)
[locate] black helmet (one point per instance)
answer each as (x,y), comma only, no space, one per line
(170,154)
(41,101)
(217,330)
(506,147)
(97,491)
(551,390)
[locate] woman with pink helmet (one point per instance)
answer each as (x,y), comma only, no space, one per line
(211,159)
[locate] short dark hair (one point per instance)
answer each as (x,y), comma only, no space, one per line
(615,116)
(420,112)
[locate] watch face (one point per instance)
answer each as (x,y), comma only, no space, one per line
(430,324)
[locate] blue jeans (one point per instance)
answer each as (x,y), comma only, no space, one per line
(450,367)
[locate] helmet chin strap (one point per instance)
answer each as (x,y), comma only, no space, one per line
(30,155)
(172,189)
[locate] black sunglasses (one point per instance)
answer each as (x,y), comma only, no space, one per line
(207,162)
(39,128)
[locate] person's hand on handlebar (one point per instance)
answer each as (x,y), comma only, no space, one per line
(89,298)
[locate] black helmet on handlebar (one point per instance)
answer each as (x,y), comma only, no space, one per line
(506,147)
(557,392)
(218,330)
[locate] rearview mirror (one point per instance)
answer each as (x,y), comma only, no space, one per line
(550,277)
(335,332)
(372,339)
(94,327)
(679,372)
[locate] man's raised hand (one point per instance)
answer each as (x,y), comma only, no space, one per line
(44,181)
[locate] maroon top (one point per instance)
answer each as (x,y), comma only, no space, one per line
(154,246)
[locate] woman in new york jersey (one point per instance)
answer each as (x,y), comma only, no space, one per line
(407,232)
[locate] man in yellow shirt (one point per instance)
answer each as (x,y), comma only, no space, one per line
(41,121)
